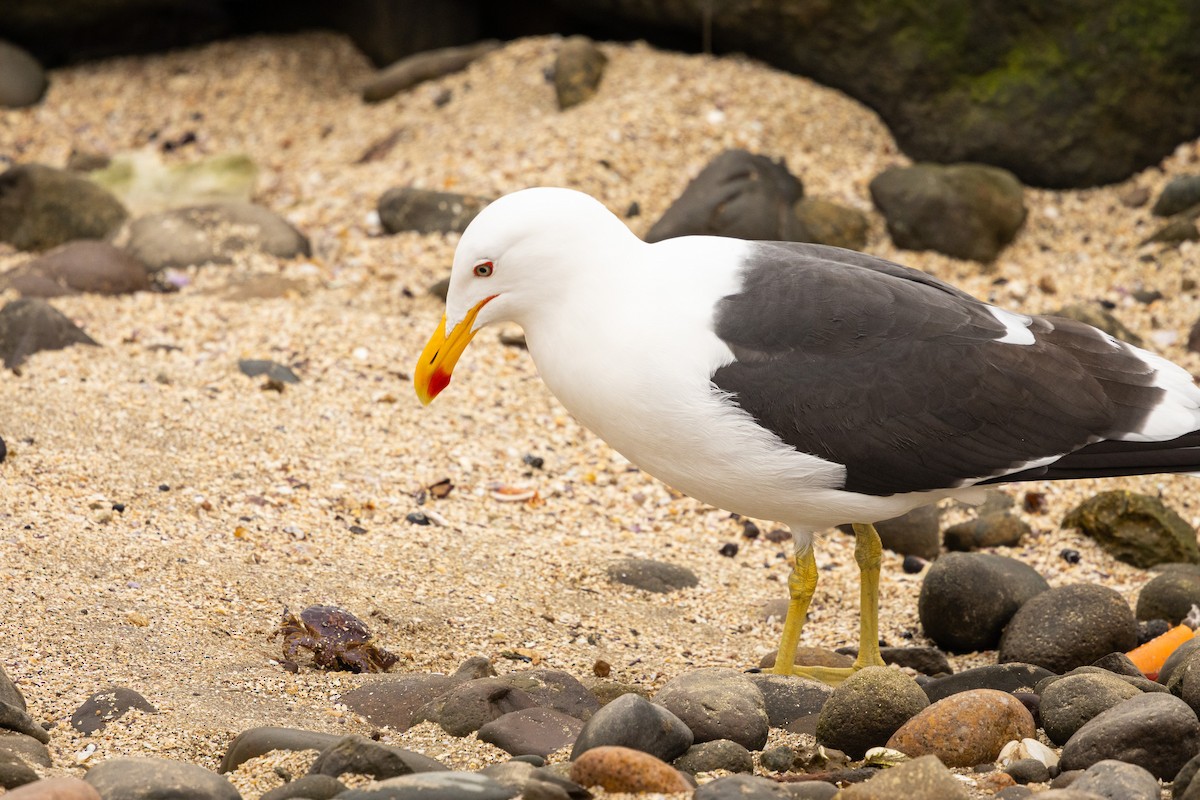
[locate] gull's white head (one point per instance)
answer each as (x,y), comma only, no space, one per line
(523,252)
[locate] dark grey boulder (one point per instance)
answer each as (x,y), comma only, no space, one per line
(470,705)
(998,529)
(31,751)
(738,194)
(23,81)
(1068,627)
(1169,595)
(1067,704)
(1011,678)
(29,326)
(717,754)
(968,211)
(553,688)
(532,731)
(1156,731)
(154,778)
(362,756)
(14,772)
(743,787)
(792,702)
(916,533)
(717,703)
(966,599)
(633,721)
(42,207)
(394,703)
(407,208)
(1117,780)
(1135,528)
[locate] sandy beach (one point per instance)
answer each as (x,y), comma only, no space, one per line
(238,502)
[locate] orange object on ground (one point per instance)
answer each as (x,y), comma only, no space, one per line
(1150,656)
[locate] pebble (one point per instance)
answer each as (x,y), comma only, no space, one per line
(965,729)
(578,70)
(450,785)
(42,207)
(23,81)
(15,719)
(718,754)
(924,777)
(867,708)
(1181,193)
(792,702)
(623,769)
(744,787)
(998,529)
(255,742)
(80,266)
(150,778)
(1068,703)
(968,211)
(925,660)
(651,576)
(1135,528)
(273,370)
(917,533)
(407,208)
(1069,626)
(212,234)
(633,721)
(29,326)
(537,731)
(469,706)
(362,756)
(30,750)
(1002,677)
(394,703)
(105,706)
(1169,595)
(1117,780)
(1028,770)
(14,771)
(553,688)
(1156,731)
(58,789)
(967,599)
(717,703)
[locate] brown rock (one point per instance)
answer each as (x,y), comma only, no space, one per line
(965,729)
(54,789)
(81,266)
(577,71)
(623,769)
(812,657)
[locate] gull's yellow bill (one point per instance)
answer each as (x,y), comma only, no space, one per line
(437,361)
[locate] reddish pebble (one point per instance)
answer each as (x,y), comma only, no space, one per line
(54,789)
(623,769)
(965,729)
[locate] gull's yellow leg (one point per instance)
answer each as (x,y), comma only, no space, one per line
(868,552)
(801,585)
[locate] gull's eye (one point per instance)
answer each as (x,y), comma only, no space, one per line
(484,269)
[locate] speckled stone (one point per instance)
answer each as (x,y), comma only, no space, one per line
(867,708)
(623,769)
(965,729)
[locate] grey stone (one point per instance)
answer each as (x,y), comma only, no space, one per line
(792,702)
(154,778)
(424,66)
(1181,193)
(633,721)
(470,705)
(925,660)
(998,529)
(1028,770)
(1135,528)
(968,211)
(925,777)
(578,70)
(255,742)
(553,688)
(916,533)
(967,599)
(434,786)
(361,756)
(23,81)
(539,731)
(742,787)
(1002,677)
(394,703)
(717,703)
(1176,659)
(718,754)
(1050,631)
(42,207)
(9,693)
(212,234)
(14,771)
(32,751)
(823,222)
(80,266)
(307,787)
(1068,703)
(1156,731)
(1116,780)
(1169,595)
(867,708)
(407,208)
(105,706)
(29,326)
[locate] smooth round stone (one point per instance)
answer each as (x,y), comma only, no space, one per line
(471,705)
(1117,780)
(448,785)
(56,789)
(255,742)
(394,703)
(183,237)
(867,708)
(1028,770)
(104,707)
(80,266)
(633,721)
(1169,595)
(29,326)
(362,756)
(998,529)
(28,748)
(623,769)
(42,207)
(1070,702)
(536,731)
(14,771)
(23,81)
(965,729)
(718,703)
(967,598)
(1001,677)
(651,576)
(307,787)
(1068,627)
(924,777)
(553,688)
(153,778)
(719,754)
(1177,659)
(1157,731)
(792,702)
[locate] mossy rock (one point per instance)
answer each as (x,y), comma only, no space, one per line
(1135,528)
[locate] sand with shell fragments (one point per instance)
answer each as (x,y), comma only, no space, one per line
(239,502)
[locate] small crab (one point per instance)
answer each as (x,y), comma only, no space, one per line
(337,639)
